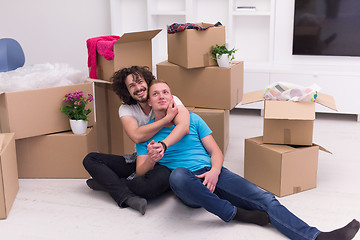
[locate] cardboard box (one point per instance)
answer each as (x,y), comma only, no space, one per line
(281,169)
(131,49)
(191,48)
(218,121)
(111,135)
(9,183)
(209,87)
(288,122)
(55,155)
(37,112)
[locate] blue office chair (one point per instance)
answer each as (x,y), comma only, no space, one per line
(11,55)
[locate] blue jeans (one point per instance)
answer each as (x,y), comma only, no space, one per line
(234,191)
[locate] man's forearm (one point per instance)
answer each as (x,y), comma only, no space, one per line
(144,166)
(182,123)
(145,132)
(176,134)
(217,161)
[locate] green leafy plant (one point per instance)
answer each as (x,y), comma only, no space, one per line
(220,50)
(75,105)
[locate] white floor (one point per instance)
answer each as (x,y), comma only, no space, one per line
(68,209)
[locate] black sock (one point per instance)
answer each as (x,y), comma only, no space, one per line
(94,185)
(137,203)
(252,216)
(346,233)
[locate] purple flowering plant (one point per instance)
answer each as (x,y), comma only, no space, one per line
(75,105)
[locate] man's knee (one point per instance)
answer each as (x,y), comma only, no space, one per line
(153,184)
(90,157)
(179,177)
(160,173)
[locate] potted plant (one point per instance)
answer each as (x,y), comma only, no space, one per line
(222,55)
(76,111)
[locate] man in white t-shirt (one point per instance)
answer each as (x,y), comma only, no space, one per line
(115,174)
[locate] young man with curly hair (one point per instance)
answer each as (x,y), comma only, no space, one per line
(115,174)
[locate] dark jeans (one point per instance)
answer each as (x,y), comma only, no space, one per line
(234,191)
(111,171)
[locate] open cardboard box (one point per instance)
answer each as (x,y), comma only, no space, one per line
(131,49)
(9,183)
(36,112)
(281,169)
(288,122)
(208,87)
(58,155)
(191,48)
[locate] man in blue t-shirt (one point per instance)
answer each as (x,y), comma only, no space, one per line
(199,179)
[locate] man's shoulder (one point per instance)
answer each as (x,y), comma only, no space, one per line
(194,116)
(126,109)
(128,106)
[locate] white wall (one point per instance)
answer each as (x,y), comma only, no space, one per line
(55,30)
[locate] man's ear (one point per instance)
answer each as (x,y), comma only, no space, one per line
(149,102)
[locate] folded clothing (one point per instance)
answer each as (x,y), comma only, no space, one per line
(282,91)
(102,45)
(176,27)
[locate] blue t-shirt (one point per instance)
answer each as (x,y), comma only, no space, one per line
(189,152)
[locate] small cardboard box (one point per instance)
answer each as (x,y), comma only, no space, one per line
(37,112)
(288,122)
(281,169)
(9,183)
(131,49)
(191,48)
(111,135)
(57,155)
(218,121)
(209,87)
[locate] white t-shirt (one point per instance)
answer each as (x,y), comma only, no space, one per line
(136,111)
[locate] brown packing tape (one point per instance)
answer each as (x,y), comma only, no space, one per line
(287,136)
(297,189)
(2,137)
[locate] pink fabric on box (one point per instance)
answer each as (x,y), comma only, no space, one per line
(102,45)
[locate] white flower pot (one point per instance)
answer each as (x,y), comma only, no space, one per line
(78,126)
(223,61)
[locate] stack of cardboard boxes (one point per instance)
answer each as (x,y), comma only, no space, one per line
(195,78)
(36,141)
(45,146)
(284,160)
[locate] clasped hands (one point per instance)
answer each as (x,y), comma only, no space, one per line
(156,152)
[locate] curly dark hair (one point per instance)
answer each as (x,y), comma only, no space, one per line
(118,81)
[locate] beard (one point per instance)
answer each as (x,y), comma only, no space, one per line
(143,100)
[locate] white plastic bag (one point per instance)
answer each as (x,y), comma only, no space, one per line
(283,91)
(40,76)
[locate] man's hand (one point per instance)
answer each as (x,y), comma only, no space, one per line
(155,151)
(210,179)
(172,110)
